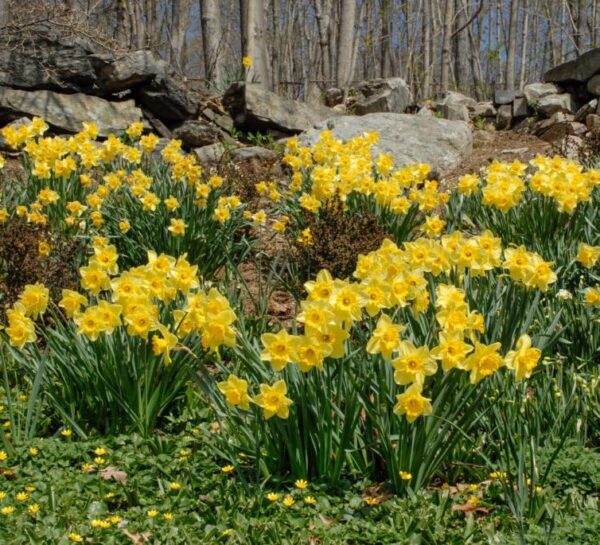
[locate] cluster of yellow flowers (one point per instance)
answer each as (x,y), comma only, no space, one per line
(73,164)
(392,278)
(338,169)
(134,300)
(558,178)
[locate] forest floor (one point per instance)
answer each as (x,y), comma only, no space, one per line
(490,145)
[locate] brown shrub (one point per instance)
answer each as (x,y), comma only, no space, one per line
(21,262)
(338,238)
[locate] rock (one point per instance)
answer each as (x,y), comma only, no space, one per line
(131,70)
(454,98)
(49,63)
(586,109)
(168,100)
(255,109)
(210,154)
(408,138)
(571,146)
(524,125)
(255,152)
(581,69)
(519,107)
(484,109)
(557,118)
(592,122)
(557,132)
(195,133)
(504,117)
(503,96)
(68,112)
(221,120)
(454,112)
(334,96)
(593,85)
(551,104)
(157,125)
(535,91)
(424,111)
(382,95)
(578,129)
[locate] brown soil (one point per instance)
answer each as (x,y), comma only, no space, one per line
(503,146)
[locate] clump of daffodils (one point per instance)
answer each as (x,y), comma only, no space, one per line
(161,302)
(394,278)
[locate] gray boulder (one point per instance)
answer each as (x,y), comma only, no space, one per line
(454,112)
(210,154)
(255,109)
(382,95)
(334,96)
(48,63)
(592,122)
(535,91)
(580,70)
(131,70)
(593,85)
(254,152)
(452,98)
(586,109)
(195,133)
(409,139)
(504,96)
(168,100)
(550,104)
(519,107)
(68,112)
(484,109)
(504,117)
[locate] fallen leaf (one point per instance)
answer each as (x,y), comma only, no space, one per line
(138,539)
(113,474)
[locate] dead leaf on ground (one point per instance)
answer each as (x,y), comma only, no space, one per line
(138,539)
(111,473)
(469,508)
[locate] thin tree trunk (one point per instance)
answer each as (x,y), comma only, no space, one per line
(512,44)
(345,43)
(446,43)
(426,86)
(253,15)
(212,41)
(524,43)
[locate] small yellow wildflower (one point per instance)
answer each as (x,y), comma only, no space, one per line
(288,501)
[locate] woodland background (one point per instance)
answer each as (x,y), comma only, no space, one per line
(301,47)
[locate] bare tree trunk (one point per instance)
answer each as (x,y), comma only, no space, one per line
(446,43)
(253,15)
(345,43)
(461,57)
(179,26)
(512,45)
(276,45)
(386,39)
(524,43)
(322,14)
(212,41)
(426,85)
